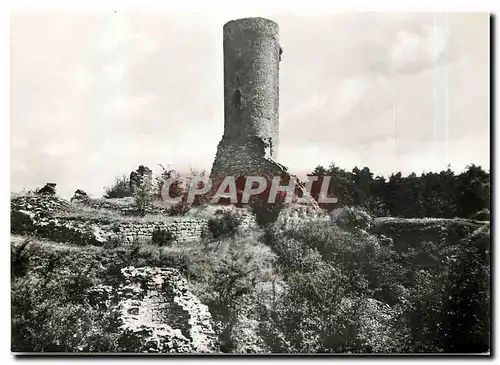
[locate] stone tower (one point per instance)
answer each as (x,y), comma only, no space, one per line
(251,100)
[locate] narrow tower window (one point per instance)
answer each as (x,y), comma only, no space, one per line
(237,99)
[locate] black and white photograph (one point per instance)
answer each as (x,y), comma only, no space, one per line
(239,182)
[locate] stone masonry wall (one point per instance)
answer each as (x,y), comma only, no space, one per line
(244,159)
(251,100)
(183,229)
(38,215)
(251,79)
(157,312)
(97,232)
(125,206)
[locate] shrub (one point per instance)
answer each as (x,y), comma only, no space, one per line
(120,189)
(115,241)
(143,197)
(181,208)
(351,218)
(162,237)
(266,213)
(175,189)
(233,278)
(225,225)
(328,276)
(50,310)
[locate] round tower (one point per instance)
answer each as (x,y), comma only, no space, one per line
(251,80)
(251,99)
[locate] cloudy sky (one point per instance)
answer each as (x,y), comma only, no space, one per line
(95,94)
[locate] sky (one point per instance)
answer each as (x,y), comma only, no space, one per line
(94,94)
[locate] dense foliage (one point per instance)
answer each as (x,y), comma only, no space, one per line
(119,189)
(350,290)
(352,285)
(434,194)
(224,224)
(444,194)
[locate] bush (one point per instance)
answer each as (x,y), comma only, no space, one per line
(181,208)
(351,218)
(175,190)
(234,280)
(162,237)
(266,213)
(224,226)
(120,189)
(143,197)
(50,309)
(324,304)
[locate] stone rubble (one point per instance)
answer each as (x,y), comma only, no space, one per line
(40,214)
(157,312)
(141,177)
(80,196)
(48,189)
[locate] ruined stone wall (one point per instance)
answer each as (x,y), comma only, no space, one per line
(246,158)
(183,229)
(97,232)
(38,215)
(251,99)
(157,312)
(128,207)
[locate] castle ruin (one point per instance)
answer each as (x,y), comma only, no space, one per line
(251,100)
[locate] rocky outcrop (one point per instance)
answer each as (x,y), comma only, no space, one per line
(26,210)
(48,189)
(143,176)
(37,215)
(80,196)
(157,312)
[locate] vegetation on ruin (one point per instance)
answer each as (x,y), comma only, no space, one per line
(441,194)
(352,285)
(119,189)
(377,277)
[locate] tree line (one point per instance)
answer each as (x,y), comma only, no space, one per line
(441,194)
(433,194)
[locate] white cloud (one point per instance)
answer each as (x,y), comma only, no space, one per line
(414,51)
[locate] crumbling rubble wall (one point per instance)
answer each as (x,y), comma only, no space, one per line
(39,215)
(157,312)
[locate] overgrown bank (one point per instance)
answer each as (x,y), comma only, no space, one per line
(351,285)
